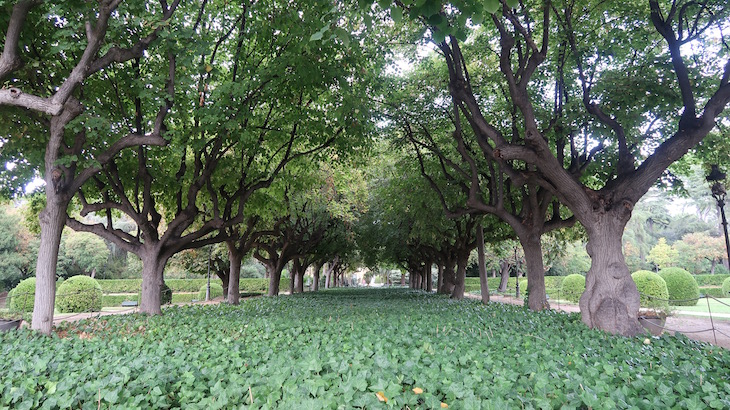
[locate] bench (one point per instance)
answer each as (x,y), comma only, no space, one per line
(129,303)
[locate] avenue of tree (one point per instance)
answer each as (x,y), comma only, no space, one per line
(280,130)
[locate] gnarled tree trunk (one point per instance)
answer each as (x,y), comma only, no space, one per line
(611,300)
(462,259)
(447,284)
(317,269)
(504,275)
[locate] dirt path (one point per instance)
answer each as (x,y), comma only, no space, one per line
(697,328)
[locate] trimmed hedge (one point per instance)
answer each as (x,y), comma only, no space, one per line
(116,300)
(79,294)
(682,287)
(216,291)
(552,285)
(573,287)
(22,297)
(715,292)
(726,288)
(179,285)
(652,289)
(711,280)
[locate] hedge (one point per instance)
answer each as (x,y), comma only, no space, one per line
(179,285)
(682,286)
(652,289)
(216,291)
(79,294)
(726,288)
(715,292)
(710,280)
(573,287)
(552,284)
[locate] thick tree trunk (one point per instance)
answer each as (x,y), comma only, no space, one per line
(225,278)
(235,259)
(460,277)
(440,279)
(611,300)
(537,299)
(402,278)
(274,278)
(292,279)
(482,261)
(153,266)
(504,276)
(52,220)
(447,285)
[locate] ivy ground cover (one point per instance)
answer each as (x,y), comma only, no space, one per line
(356,349)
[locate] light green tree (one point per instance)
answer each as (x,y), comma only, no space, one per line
(663,255)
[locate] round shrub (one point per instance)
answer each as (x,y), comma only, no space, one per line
(573,286)
(682,286)
(652,289)
(523,286)
(22,297)
(726,288)
(216,291)
(79,294)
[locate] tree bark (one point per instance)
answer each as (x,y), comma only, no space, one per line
(537,299)
(52,220)
(482,261)
(402,278)
(504,276)
(315,284)
(274,272)
(440,279)
(447,285)
(427,273)
(235,259)
(461,261)
(153,265)
(611,300)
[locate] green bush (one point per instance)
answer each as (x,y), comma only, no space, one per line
(178,285)
(714,292)
(652,289)
(116,300)
(523,286)
(573,286)
(682,286)
(726,288)
(22,297)
(710,280)
(254,285)
(216,291)
(79,294)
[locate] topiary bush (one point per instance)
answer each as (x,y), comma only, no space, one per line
(216,291)
(682,286)
(79,294)
(652,289)
(573,287)
(22,297)
(726,288)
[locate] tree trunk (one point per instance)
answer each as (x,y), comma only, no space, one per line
(440,279)
(402,278)
(315,284)
(504,276)
(292,279)
(235,259)
(153,265)
(274,272)
(52,220)
(611,300)
(225,278)
(447,285)
(482,261)
(459,278)
(537,299)
(427,274)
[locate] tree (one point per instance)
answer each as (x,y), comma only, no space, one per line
(618,110)
(46,91)
(662,255)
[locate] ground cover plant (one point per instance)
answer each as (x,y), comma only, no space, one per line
(391,348)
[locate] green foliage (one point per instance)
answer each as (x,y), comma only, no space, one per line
(23,296)
(87,252)
(79,294)
(711,280)
(714,292)
(116,300)
(366,342)
(573,287)
(165,294)
(726,288)
(552,285)
(216,291)
(178,285)
(662,255)
(682,286)
(652,289)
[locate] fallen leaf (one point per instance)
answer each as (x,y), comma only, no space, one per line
(381,396)
(444,405)
(417,390)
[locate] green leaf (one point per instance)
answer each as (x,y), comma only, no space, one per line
(491,6)
(396,13)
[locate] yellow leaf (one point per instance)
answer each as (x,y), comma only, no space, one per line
(208,68)
(417,390)
(381,396)
(444,405)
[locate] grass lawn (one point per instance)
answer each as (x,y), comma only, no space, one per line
(366,349)
(716,306)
